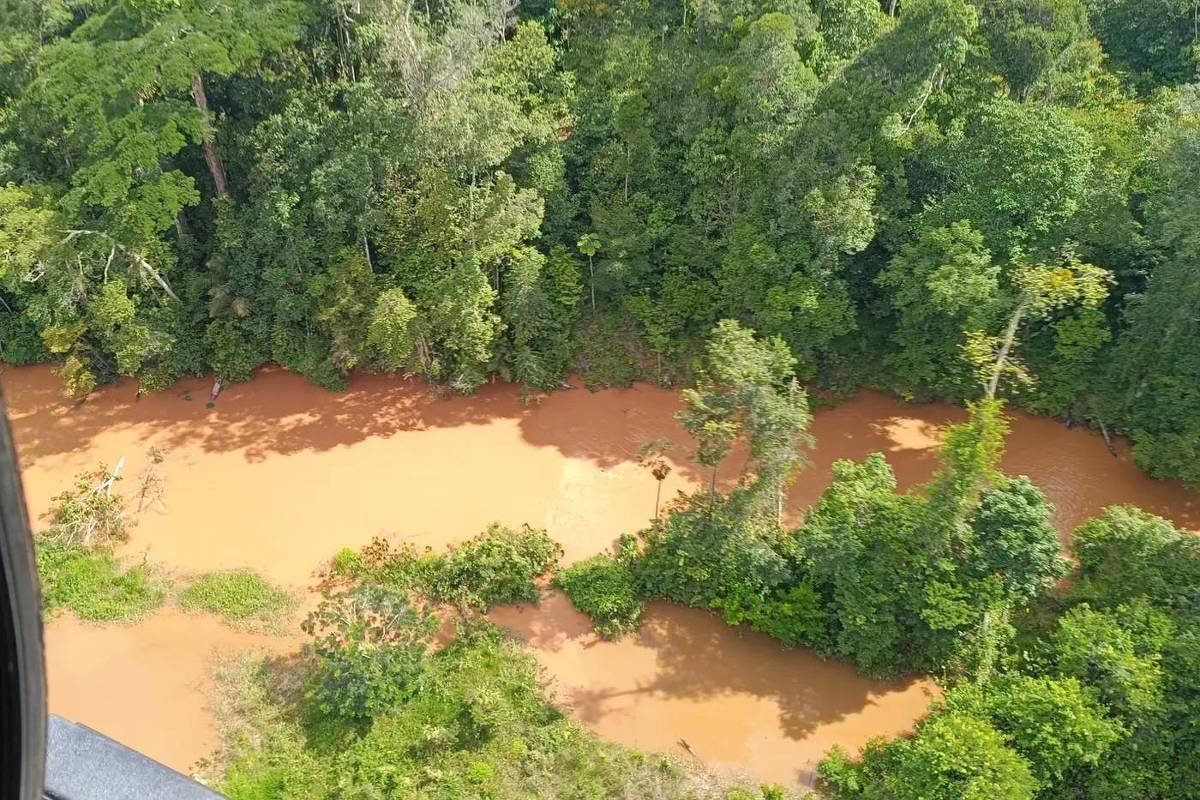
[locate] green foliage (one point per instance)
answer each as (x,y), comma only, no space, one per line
(603,588)
(1155,40)
(1127,553)
(745,390)
(1027,38)
(91,515)
(93,585)
(1020,171)
(498,567)
(712,553)
(952,756)
(238,596)
(1014,540)
(1056,724)
(943,285)
(369,646)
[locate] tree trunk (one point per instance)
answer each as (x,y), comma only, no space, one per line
(211,157)
(657,497)
(627,173)
(1010,336)
(592,272)
(891,8)
(1108,442)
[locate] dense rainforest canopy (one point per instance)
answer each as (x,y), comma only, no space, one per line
(462,188)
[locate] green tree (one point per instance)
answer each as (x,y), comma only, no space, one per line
(744,388)
(1056,724)
(951,756)
(369,645)
(1154,39)
(943,285)
(1027,38)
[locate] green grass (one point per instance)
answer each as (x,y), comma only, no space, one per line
(239,597)
(604,589)
(94,585)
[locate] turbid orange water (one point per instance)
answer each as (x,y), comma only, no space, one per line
(280,474)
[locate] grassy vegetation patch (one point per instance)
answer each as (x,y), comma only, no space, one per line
(605,590)
(94,585)
(238,597)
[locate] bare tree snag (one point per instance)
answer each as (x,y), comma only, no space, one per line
(211,157)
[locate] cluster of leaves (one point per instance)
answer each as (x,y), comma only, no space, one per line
(376,621)
(90,515)
(603,587)
(369,645)
(500,566)
(237,596)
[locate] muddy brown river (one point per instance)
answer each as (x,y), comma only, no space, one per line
(280,474)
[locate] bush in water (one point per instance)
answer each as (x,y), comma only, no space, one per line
(477,724)
(604,589)
(236,596)
(93,585)
(498,567)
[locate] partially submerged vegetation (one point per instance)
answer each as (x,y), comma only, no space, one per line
(473,722)
(79,570)
(239,597)
(604,588)
(76,565)
(1083,689)
(500,566)
(375,708)
(94,585)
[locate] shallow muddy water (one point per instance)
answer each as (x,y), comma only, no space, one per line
(280,474)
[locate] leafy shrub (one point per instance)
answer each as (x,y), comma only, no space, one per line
(705,552)
(89,515)
(346,563)
(236,596)
(607,353)
(93,585)
(369,646)
(497,567)
(793,615)
(604,589)
(401,567)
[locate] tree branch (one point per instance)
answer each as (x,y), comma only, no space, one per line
(138,260)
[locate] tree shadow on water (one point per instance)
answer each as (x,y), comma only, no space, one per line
(697,657)
(281,413)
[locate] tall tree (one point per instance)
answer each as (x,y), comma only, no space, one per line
(745,389)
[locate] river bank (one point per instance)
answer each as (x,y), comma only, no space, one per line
(280,474)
